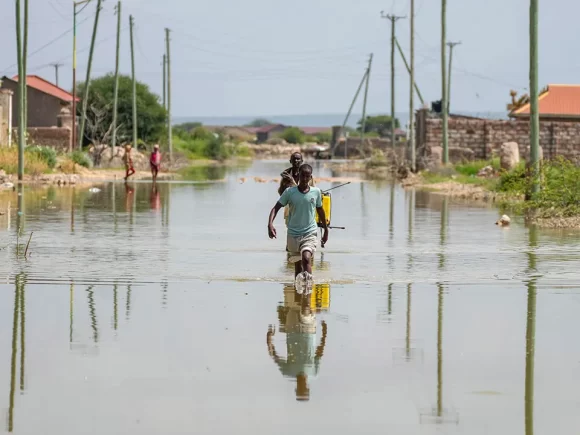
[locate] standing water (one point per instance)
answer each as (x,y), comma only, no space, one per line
(168,310)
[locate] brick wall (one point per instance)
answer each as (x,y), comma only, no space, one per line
(56,137)
(484,136)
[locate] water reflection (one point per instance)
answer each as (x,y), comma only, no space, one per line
(531,331)
(297,320)
(19,319)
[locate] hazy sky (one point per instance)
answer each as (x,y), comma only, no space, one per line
(268,57)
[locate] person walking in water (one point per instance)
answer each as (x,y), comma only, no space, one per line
(128,160)
(155,162)
(304,200)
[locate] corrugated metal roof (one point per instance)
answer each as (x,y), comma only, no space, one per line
(45,86)
(557,100)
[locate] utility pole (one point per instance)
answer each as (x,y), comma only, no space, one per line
(87,82)
(164,81)
(169,133)
(393,19)
(131,25)
(451,47)
(534,115)
(21,86)
(364,113)
(116,91)
(445,137)
(74,75)
(56,67)
(412,93)
(25,66)
(409,70)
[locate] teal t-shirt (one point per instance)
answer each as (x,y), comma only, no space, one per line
(301,219)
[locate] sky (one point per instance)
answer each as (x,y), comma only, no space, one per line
(268,57)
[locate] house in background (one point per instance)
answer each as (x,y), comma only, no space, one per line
(45,100)
(555,103)
(267,131)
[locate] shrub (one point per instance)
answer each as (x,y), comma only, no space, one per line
(33,163)
(293,135)
(472,168)
(201,133)
(325,137)
(44,153)
(216,149)
(81,159)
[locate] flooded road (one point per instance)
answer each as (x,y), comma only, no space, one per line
(169,311)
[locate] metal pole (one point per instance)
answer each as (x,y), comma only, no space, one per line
(116,91)
(534,114)
(131,25)
(87,81)
(364,113)
(169,130)
(411,92)
(444,82)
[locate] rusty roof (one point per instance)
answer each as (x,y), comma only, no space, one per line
(555,101)
(47,87)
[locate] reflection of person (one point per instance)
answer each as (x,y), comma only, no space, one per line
(128,160)
(128,197)
(155,162)
(302,237)
(155,199)
(303,357)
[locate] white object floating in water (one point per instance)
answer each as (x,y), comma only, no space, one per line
(7,185)
(94,190)
(504,220)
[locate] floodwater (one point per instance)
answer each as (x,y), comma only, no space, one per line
(169,311)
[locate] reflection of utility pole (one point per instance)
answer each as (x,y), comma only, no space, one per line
(390,300)
(392,211)
(93,313)
(531,334)
(71,312)
(408,330)
(443,230)
(440,351)
(13,358)
(115,308)
(21,283)
(128,312)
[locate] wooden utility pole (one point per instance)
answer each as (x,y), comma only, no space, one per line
(116,91)
(409,70)
(412,92)
(169,132)
(56,66)
(393,19)
(88,80)
(25,67)
(451,47)
(445,135)
(364,113)
(164,81)
(21,86)
(534,114)
(131,25)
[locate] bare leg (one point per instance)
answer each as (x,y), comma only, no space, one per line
(297,268)
(307,261)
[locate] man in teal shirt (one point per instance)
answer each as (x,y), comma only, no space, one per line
(303,201)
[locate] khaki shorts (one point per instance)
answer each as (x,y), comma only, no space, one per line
(298,244)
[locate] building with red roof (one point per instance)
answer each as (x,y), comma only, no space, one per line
(555,103)
(45,100)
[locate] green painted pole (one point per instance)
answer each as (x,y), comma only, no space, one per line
(21,86)
(445,138)
(534,114)
(116,91)
(88,79)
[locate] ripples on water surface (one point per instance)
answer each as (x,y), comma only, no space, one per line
(170,311)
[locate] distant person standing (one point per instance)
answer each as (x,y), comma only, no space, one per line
(155,162)
(129,169)
(290,178)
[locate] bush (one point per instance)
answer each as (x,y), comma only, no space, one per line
(293,135)
(81,159)
(201,133)
(473,168)
(324,137)
(43,153)
(33,163)
(377,160)
(216,149)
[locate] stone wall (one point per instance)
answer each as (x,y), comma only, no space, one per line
(56,137)
(485,136)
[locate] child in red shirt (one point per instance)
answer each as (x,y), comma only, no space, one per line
(155,162)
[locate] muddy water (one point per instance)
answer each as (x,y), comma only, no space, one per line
(142,311)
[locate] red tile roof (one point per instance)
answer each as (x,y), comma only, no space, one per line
(269,128)
(45,86)
(555,101)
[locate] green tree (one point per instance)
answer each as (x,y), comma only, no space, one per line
(259,122)
(293,135)
(380,124)
(151,116)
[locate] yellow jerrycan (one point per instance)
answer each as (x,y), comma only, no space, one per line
(327,206)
